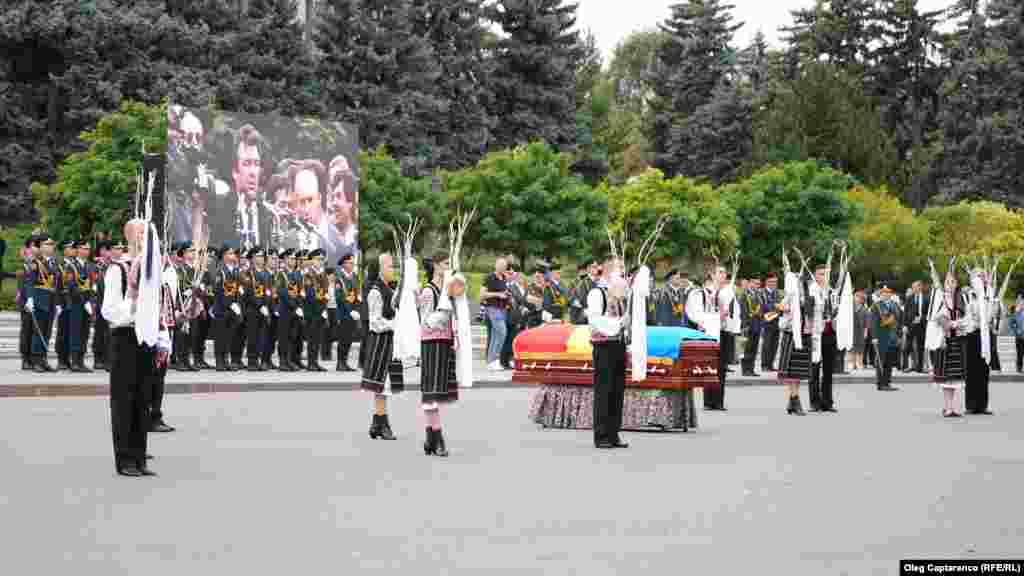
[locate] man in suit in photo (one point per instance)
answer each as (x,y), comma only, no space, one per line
(308,180)
(237,213)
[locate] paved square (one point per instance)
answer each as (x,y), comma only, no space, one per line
(290,483)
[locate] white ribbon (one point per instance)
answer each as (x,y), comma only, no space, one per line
(979,290)
(463,335)
(638,319)
(934,336)
(792,288)
(407,324)
(844,321)
(147,310)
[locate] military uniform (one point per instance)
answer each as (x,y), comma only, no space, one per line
(77,307)
(42,304)
(227,315)
(885,327)
(556,300)
(64,280)
(259,289)
(346,293)
(578,298)
(24,290)
(315,286)
(288,286)
(101,328)
(183,340)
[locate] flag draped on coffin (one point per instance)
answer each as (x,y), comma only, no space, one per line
(573,342)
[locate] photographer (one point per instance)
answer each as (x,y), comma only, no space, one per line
(494,297)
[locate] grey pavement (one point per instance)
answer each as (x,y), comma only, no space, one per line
(280,483)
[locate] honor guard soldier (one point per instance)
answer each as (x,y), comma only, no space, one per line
(101,329)
(183,342)
(289,335)
(274,264)
(556,297)
(227,311)
(315,284)
(91,289)
(259,288)
(77,304)
(577,306)
(670,303)
(63,280)
(346,292)
(536,314)
(42,301)
(24,274)
(885,322)
(772,307)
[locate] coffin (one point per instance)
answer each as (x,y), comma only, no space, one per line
(561,354)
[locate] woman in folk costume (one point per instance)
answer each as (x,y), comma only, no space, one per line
(977,348)
(445,351)
(379,367)
(795,346)
(946,337)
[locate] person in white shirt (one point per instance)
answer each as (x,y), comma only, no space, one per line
(608,318)
(126,309)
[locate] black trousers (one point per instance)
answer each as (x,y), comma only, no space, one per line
(227,331)
(770,345)
(870,352)
(609,390)
(156,413)
(1020,353)
(130,397)
(885,360)
(994,363)
(977,374)
(917,337)
(25,336)
(820,382)
(183,344)
(62,331)
(100,340)
(271,337)
(346,334)
(288,333)
(256,334)
(200,330)
(715,399)
(750,351)
(313,333)
(328,333)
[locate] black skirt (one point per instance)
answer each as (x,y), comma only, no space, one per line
(794,364)
(949,364)
(437,372)
(378,364)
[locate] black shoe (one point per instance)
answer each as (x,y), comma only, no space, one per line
(43,366)
(440,450)
(983,413)
(830,409)
(149,456)
(385,429)
(27,365)
(430,444)
(144,471)
(286,367)
(99,365)
(375,427)
(618,443)
(253,367)
(80,368)
(604,445)
(160,427)
(62,365)
(748,374)
(130,471)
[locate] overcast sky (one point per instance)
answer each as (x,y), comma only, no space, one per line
(611,20)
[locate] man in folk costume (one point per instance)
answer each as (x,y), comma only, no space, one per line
(946,338)
(724,303)
(131,305)
(885,326)
(379,368)
(171,315)
(823,338)
(795,344)
(608,317)
(977,349)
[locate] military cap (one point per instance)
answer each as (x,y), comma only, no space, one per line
(255,251)
(318,253)
(46,239)
(67,244)
(300,254)
(286,253)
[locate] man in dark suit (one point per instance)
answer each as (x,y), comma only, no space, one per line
(917,313)
(308,180)
(237,213)
(770,322)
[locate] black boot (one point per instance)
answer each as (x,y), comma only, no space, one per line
(254,365)
(26,364)
(385,429)
(375,427)
(441,451)
(798,408)
(430,445)
(79,365)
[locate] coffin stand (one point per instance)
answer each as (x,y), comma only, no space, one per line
(558,359)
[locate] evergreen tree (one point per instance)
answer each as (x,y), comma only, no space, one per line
(456,32)
(380,76)
(535,72)
(692,63)
(838,31)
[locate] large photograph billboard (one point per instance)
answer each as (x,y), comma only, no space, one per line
(262,180)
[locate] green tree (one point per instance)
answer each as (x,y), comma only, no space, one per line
(530,204)
(387,197)
(802,204)
(693,61)
(95,189)
(701,224)
(631,68)
(534,77)
(890,237)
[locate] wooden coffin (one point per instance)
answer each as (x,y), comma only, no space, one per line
(561,354)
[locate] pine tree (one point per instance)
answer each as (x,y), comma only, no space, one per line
(692,63)
(380,76)
(456,32)
(534,76)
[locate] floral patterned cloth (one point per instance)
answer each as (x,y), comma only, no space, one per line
(573,407)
